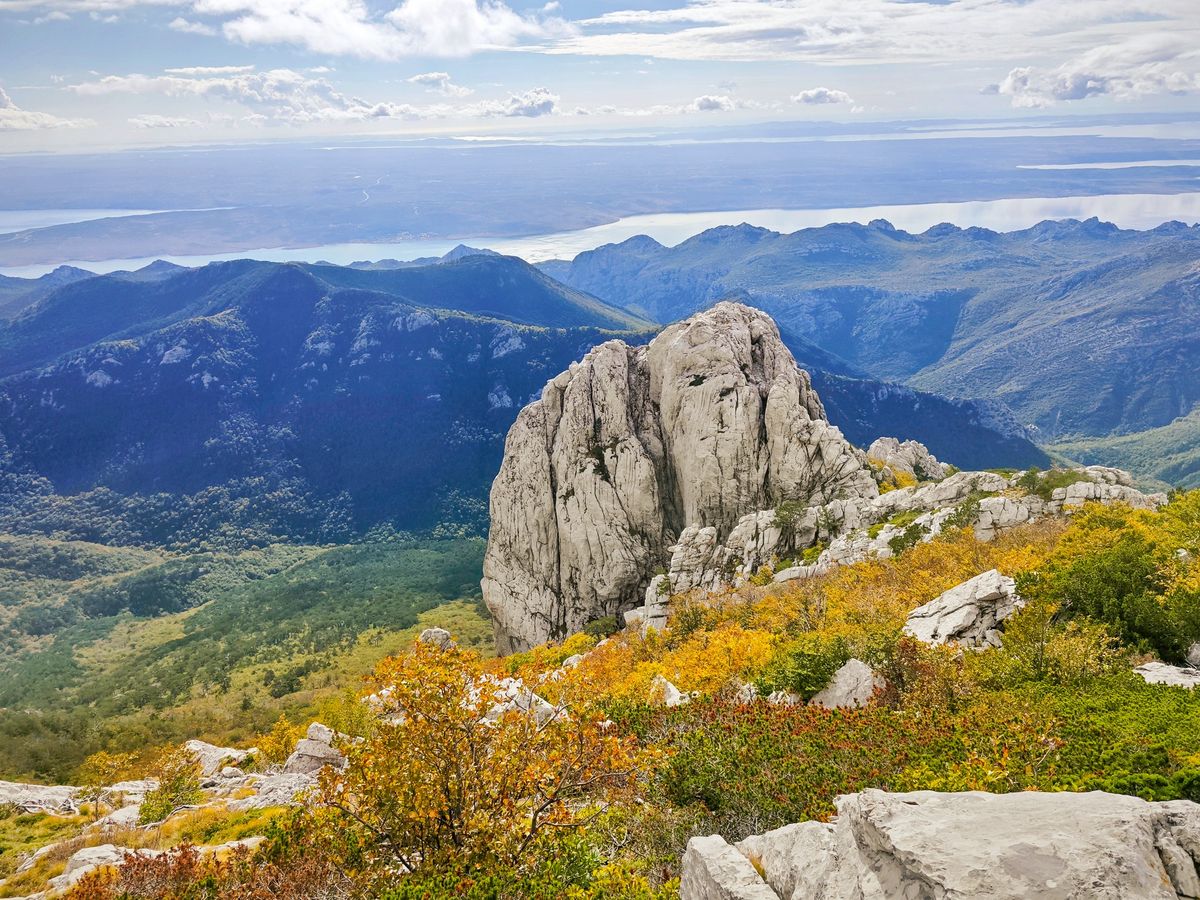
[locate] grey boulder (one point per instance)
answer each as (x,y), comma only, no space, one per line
(968,614)
(955,846)
(852,686)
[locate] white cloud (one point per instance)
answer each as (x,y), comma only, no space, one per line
(875,31)
(441,83)
(530,104)
(281,95)
(710,103)
(1157,65)
(295,98)
(433,28)
(209,70)
(13,118)
(155,121)
(821,95)
(56,15)
(185,26)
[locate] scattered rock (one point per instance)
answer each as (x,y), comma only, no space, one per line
(125,817)
(89,859)
(273,790)
(784,698)
(439,637)
(1163,673)
(39,798)
(852,686)
(211,757)
(314,752)
(713,870)
(572,661)
(1193,655)
(746,694)
(662,691)
(968,614)
(974,844)
(512,694)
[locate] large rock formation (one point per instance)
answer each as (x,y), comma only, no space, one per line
(628,448)
(957,846)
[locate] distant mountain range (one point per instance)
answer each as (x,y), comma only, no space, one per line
(247,402)
(17,294)
(1079,327)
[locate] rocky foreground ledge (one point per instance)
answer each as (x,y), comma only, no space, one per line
(956,846)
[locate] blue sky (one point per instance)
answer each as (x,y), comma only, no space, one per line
(99,73)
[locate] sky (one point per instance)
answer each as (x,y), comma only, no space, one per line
(93,74)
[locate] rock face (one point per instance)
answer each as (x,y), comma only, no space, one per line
(712,870)
(968,614)
(628,448)
(934,845)
(852,686)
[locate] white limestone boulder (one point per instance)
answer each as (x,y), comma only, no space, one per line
(212,758)
(968,614)
(714,870)
(972,844)
(852,686)
(1164,673)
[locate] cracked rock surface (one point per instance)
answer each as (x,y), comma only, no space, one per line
(711,421)
(954,846)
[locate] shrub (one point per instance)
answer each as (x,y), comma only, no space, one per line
(803,665)
(178,776)
(277,745)
(444,789)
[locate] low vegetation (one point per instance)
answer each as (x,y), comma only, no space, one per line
(260,633)
(597,796)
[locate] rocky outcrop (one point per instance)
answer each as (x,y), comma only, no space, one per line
(969,614)
(38,797)
(854,529)
(712,870)
(935,845)
(314,752)
(212,759)
(1164,673)
(910,457)
(628,448)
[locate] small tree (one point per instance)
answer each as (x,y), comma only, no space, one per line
(449,780)
(178,776)
(99,771)
(277,745)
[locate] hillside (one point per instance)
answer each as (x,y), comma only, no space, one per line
(247,403)
(128,648)
(17,294)
(1079,327)
(1168,455)
(252,402)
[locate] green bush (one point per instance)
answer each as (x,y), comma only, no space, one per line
(803,665)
